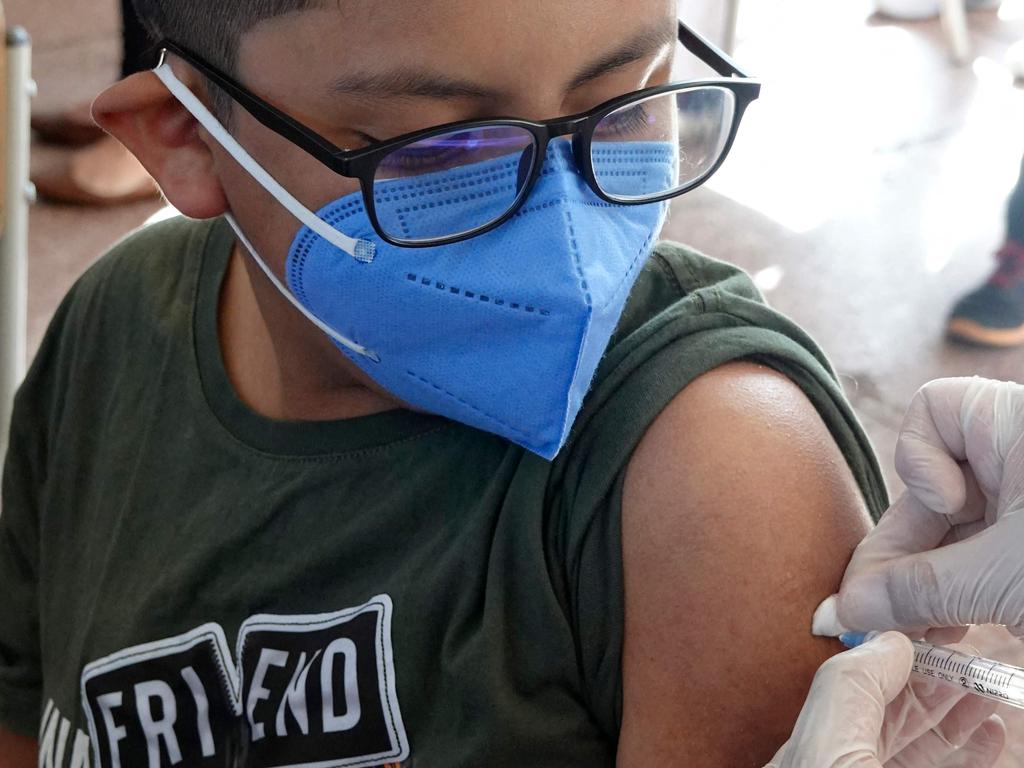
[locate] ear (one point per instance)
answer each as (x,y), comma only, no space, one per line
(143,115)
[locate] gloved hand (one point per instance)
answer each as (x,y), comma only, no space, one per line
(950,551)
(861,713)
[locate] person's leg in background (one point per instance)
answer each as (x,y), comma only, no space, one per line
(102,172)
(993,315)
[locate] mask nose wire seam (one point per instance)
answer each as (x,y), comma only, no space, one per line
(350,345)
(361,250)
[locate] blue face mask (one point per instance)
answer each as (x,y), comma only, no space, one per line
(502,332)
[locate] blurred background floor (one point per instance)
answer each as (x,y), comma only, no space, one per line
(865,192)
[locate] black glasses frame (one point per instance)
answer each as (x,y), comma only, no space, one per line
(363,163)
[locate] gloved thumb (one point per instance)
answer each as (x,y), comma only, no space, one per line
(932,442)
(977,581)
(949,421)
(841,723)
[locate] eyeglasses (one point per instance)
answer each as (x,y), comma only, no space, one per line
(645,147)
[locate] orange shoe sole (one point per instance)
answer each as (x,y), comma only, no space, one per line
(962,329)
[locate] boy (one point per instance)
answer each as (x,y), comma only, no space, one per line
(297,488)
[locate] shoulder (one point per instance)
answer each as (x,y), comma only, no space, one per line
(738,508)
(140,292)
(124,306)
(689,314)
(674,272)
(744,447)
(742,415)
(148,266)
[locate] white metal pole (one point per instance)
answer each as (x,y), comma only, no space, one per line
(729,26)
(954,19)
(14,239)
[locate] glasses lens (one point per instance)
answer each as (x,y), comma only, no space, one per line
(662,144)
(453,183)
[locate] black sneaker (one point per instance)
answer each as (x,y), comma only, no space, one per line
(993,315)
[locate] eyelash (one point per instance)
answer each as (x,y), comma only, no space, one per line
(635,119)
(420,161)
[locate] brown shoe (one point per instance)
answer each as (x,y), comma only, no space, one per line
(73,127)
(104,174)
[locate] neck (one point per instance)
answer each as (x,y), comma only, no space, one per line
(279,363)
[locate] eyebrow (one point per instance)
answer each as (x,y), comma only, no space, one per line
(418,84)
(637,48)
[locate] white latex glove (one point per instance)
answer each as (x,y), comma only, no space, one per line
(950,551)
(861,713)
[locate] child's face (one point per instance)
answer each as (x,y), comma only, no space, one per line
(365,71)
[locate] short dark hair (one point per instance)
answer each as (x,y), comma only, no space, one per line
(213,28)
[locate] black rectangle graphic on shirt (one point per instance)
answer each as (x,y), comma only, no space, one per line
(320,689)
(166,703)
(309,692)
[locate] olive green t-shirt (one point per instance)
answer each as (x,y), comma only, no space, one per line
(184,582)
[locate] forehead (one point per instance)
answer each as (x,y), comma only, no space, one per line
(502,42)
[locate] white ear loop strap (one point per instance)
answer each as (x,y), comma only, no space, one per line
(361,250)
(347,343)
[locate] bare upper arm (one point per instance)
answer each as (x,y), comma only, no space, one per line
(739,515)
(17,751)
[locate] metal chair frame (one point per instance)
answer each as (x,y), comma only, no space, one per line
(16,194)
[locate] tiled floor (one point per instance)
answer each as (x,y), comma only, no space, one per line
(865,190)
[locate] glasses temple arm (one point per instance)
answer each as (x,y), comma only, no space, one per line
(271,117)
(709,53)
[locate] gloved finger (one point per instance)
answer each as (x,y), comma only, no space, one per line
(840,724)
(974,420)
(977,515)
(931,443)
(978,581)
(960,533)
(965,717)
(929,704)
(907,527)
(992,419)
(953,729)
(913,715)
(787,757)
(983,749)
(776,762)
(975,503)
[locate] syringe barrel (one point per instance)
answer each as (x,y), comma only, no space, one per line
(982,677)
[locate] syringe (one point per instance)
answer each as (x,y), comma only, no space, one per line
(982,677)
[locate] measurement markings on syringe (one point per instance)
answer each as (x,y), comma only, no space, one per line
(983,677)
(941,666)
(989,675)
